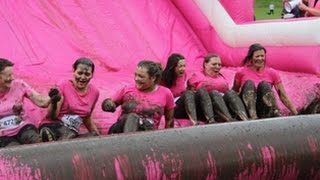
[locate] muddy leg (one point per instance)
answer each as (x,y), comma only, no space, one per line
(248,95)
(203,97)
(235,105)
(190,106)
(266,102)
(312,108)
(132,123)
(29,135)
(219,107)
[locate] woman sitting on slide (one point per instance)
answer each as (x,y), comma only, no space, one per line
(74,108)
(212,92)
(15,127)
(174,77)
(143,104)
(259,78)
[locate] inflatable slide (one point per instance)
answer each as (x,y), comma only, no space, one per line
(43,39)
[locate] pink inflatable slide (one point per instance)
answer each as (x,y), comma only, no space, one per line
(43,38)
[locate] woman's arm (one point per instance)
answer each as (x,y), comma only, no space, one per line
(169,118)
(53,111)
(236,86)
(90,125)
(285,99)
(39,100)
(309,10)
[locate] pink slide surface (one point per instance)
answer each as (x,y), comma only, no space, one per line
(44,38)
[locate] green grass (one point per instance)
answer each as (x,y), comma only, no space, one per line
(261,8)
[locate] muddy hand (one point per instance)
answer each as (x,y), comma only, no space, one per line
(54,95)
(108,105)
(17,109)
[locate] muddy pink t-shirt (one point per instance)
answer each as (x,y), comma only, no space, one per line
(268,74)
(75,103)
(199,80)
(180,86)
(16,94)
(147,105)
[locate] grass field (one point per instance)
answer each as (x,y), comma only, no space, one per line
(261,9)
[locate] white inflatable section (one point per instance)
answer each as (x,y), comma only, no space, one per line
(276,33)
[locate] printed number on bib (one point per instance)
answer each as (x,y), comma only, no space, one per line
(72,121)
(9,121)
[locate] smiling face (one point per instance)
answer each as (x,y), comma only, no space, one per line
(6,77)
(213,66)
(143,80)
(258,59)
(82,76)
(180,69)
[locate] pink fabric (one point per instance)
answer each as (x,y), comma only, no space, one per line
(199,80)
(16,94)
(180,87)
(43,39)
(148,105)
(268,74)
(75,103)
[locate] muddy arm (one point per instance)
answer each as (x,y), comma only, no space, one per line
(236,86)
(285,99)
(169,118)
(90,125)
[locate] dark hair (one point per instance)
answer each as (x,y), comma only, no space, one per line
(5,63)
(169,75)
(153,69)
(253,48)
(85,61)
(208,57)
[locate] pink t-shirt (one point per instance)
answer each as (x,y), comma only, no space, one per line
(16,94)
(148,105)
(180,86)
(199,80)
(75,103)
(268,74)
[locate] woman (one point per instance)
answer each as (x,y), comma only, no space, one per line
(212,91)
(15,127)
(174,77)
(143,104)
(74,108)
(257,75)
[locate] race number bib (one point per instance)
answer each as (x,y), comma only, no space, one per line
(72,121)
(9,122)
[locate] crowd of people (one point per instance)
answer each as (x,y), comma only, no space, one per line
(170,93)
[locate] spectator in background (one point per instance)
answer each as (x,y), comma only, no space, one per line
(271,8)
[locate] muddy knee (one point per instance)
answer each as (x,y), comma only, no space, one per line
(220,108)
(131,123)
(248,95)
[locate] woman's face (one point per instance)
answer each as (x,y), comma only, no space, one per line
(258,59)
(143,81)
(213,66)
(180,68)
(6,77)
(82,76)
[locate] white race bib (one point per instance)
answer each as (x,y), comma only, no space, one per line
(72,121)
(10,122)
